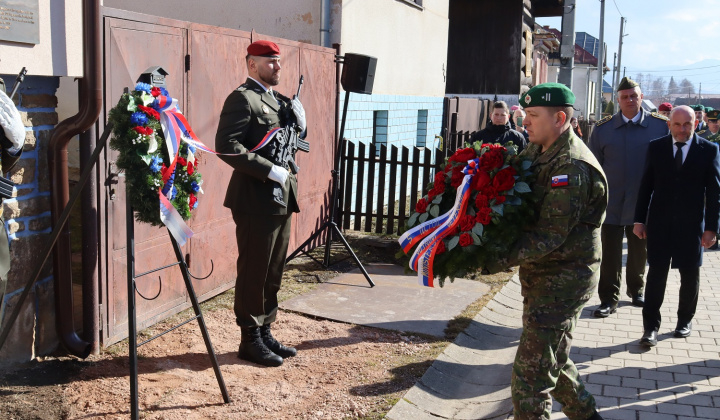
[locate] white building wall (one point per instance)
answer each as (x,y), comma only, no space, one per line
(59,52)
(297,20)
(410,43)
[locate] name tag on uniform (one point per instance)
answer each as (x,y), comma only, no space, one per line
(559,181)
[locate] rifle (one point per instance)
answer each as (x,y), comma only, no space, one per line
(289,139)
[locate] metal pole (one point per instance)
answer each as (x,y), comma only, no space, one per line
(616,81)
(567,46)
(132,327)
(614,68)
(601,53)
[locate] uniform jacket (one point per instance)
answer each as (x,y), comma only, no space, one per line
(559,252)
(248,114)
(621,148)
(678,206)
(500,134)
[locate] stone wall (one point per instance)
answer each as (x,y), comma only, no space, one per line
(28,224)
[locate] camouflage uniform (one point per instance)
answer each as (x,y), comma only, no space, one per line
(715,138)
(559,257)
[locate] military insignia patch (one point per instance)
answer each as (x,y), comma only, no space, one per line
(527,99)
(265,110)
(559,181)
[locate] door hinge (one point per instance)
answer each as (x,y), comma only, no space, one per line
(187,62)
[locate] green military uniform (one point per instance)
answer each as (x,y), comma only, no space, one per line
(559,257)
(261,208)
(7,162)
(712,116)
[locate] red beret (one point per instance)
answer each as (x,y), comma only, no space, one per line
(665,106)
(264,49)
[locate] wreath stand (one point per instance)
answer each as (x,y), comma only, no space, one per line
(132,321)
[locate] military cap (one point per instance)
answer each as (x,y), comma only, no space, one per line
(697,107)
(713,115)
(264,49)
(708,109)
(548,94)
(665,106)
(627,83)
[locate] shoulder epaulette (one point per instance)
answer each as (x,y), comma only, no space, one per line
(660,117)
(603,121)
(700,132)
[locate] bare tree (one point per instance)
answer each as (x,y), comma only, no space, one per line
(658,88)
(687,87)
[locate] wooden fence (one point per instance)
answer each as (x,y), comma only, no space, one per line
(402,174)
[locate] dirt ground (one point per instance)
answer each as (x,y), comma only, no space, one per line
(341,370)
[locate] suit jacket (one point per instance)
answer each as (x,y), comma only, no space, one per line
(247,115)
(621,148)
(678,206)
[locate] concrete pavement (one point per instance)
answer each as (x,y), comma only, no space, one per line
(677,380)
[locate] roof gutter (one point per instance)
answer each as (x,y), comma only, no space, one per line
(90,106)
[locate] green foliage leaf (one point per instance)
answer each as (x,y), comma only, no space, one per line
(513,200)
(423,217)
(438,199)
(478,229)
(498,209)
(476,238)
(413,219)
(452,243)
(434,210)
(145,158)
(522,187)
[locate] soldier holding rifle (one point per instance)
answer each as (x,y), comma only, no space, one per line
(260,128)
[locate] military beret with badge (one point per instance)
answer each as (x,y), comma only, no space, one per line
(665,106)
(264,49)
(548,94)
(627,83)
(697,107)
(713,115)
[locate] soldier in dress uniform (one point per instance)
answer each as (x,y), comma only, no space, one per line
(559,257)
(620,144)
(12,139)
(664,109)
(699,117)
(713,131)
(262,195)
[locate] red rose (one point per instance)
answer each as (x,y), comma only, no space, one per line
(466,239)
(456,179)
(181,161)
(421,205)
(440,177)
(190,168)
(439,188)
(490,191)
(448,167)
(492,159)
(483,216)
(155,92)
(467,222)
(505,179)
(481,201)
(496,146)
(193,199)
(480,180)
(500,199)
(149,111)
(440,248)
(463,155)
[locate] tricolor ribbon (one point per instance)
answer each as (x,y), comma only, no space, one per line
(431,232)
(176,129)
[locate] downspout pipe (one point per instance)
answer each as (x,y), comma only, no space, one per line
(89,110)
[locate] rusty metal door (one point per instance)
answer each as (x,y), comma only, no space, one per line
(130,48)
(216,58)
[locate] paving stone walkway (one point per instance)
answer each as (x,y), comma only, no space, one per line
(677,380)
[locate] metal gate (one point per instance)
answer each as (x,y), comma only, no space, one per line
(205,64)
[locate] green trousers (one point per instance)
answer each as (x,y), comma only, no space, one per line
(542,369)
(611,265)
(262,248)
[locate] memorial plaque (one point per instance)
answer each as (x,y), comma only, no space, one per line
(19,21)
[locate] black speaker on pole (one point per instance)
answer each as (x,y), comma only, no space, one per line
(358,73)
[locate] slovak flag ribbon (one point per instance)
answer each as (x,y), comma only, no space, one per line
(430,233)
(559,181)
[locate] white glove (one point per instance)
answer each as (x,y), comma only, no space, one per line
(11,123)
(299,112)
(278,174)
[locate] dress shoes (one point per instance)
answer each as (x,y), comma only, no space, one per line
(649,338)
(638,300)
(254,350)
(605,310)
(595,416)
(274,345)
(683,330)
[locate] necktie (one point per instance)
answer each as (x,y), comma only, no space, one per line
(679,155)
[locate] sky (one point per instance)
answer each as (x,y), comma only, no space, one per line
(664,37)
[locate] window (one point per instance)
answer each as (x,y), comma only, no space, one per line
(380,129)
(421,128)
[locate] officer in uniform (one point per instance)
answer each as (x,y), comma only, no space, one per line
(620,144)
(664,109)
(699,117)
(262,195)
(559,257)
(12,139)
(713,131)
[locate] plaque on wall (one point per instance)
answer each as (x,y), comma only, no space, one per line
(19,21)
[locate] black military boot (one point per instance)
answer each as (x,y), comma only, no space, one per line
(595,416)
(274,345)
(253,350)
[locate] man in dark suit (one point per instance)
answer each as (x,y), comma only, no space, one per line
(679,201)
(262,195)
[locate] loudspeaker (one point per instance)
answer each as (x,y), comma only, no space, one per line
(358,73)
